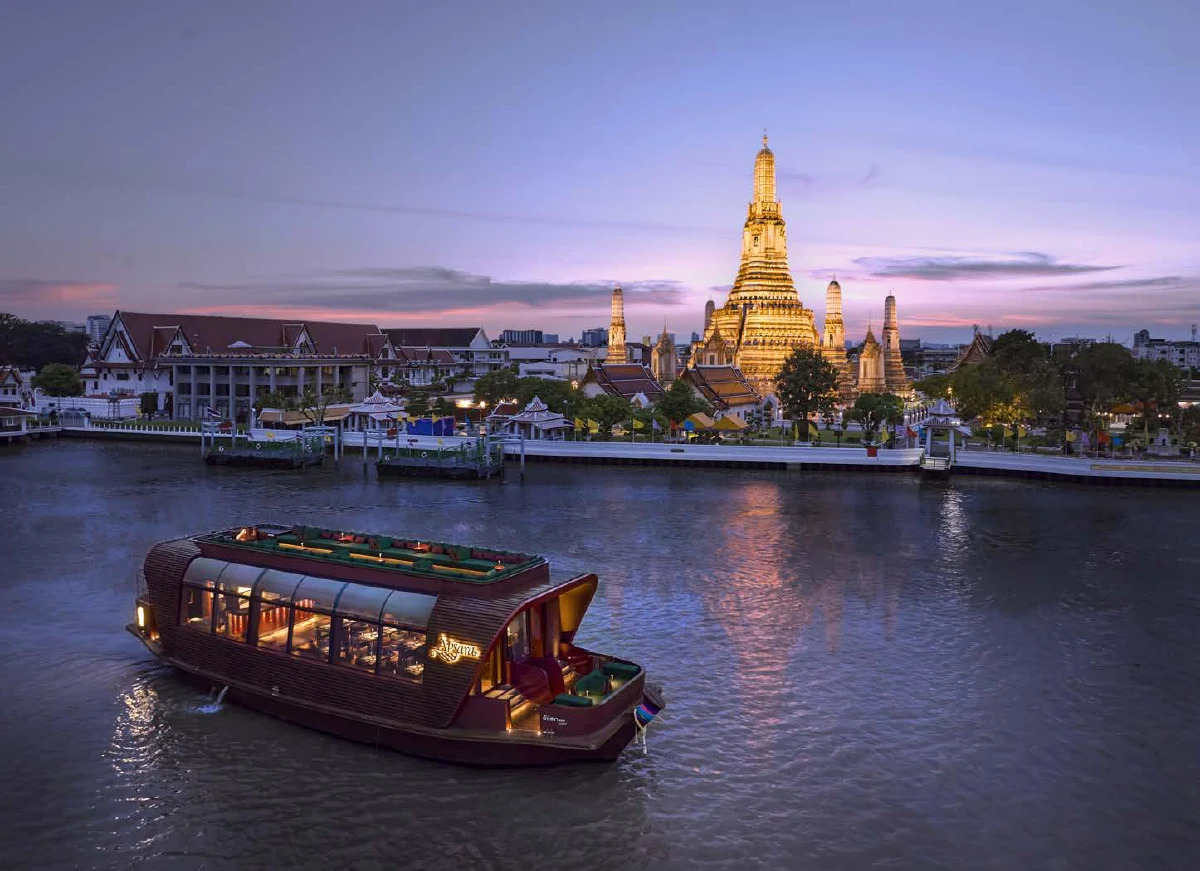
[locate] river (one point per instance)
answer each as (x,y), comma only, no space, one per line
(861,671)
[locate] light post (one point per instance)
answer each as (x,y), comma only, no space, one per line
(482,406)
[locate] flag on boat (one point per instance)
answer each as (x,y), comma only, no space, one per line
(645,712)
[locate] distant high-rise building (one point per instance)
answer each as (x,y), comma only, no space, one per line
(522,337)
(695,336)
(550,338)
(97,326)
(594,338)
(70,326)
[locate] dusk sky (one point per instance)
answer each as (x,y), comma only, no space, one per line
(505,164)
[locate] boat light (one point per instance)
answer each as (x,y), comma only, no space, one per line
(141,617)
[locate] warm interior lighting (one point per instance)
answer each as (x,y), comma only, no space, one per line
(141,617)
(451,650)
(499,566)
(306,548)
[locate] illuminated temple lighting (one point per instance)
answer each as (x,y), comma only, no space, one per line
(762,320)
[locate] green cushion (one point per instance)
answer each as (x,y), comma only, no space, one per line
(572,701)
(623,670)
(592,682)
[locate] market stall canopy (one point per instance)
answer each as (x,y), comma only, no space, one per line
(730,424)
(700,420)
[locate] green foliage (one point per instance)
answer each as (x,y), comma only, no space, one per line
(935,386)
(679,403)
(59,379)
(36,344)
(1190,425)
(495,387)
(149,403)
(559,396)
(607,410)
(1018,352)
(274,400)
(418,404)
(876,410)
(1155,384)
(807,383)
(442,407)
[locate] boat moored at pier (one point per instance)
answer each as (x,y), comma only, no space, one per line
(452,652)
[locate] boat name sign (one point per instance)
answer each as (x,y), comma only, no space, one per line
(451,650)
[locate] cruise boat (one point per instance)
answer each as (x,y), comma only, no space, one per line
(452,652)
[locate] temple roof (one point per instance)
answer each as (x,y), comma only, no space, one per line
(626,380)
(976,352)
(722,386)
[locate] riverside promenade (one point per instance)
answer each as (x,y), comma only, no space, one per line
(789,458)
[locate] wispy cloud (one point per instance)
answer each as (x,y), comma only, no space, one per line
(429,290)
(958,268)
(1128,284)
(46,294)
(805,184)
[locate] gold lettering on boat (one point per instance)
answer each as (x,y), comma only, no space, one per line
(451,650)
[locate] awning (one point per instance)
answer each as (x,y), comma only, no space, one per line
(730,423)
(700,420)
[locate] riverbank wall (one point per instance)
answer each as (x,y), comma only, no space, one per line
(1081,470)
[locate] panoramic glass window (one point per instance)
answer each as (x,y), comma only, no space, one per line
(312,617)
(197,606)
(273,593)
(358,636)
(402,635)
(232,618)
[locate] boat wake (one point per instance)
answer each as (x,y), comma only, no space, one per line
(213,706)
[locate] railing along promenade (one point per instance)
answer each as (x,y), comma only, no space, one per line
(1182,472)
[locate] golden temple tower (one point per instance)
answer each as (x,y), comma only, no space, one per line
(897,381)
(762,321)
(833,342)
(871,373)
(616,329)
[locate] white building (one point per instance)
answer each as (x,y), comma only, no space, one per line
(1184,355)
(200,362)
(468,346)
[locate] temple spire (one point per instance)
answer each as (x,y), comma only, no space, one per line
(616,329)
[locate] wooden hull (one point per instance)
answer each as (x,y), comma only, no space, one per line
(462,746)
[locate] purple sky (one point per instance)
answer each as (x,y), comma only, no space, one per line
(504,164)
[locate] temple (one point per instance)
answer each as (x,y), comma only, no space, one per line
(664,361)
(833,342)
(762,320)
(893,364)
(872,377)
(616,329)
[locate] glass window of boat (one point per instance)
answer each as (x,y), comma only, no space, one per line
(402,634)
(518,637)
(273,593)
(196,600)
(232,617)
(312,617)
(358,632)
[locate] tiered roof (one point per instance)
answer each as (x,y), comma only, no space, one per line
(976,352)
(722,386)
(626,380)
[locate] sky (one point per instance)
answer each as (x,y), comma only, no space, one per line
(504,165)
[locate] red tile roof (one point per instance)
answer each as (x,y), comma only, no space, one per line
(214,334)
(625,380)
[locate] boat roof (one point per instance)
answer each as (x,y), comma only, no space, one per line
(390,559)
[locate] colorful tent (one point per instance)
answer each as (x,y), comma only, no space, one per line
(730,424)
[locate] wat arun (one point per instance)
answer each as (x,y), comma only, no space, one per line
(763,320)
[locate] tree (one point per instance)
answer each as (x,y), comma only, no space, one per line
(608,410)
(936,386)
(442,407)
(149,403)
(36,344)
(418,404)
(495,387)
(1018,352)
(1155,385)
(558,395)
(314,405)
(807,383)
(680,402)
(59,379)
(874,410)
(273,400)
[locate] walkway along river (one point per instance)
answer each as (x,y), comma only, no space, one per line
(863,672)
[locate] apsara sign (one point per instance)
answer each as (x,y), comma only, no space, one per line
(451,650)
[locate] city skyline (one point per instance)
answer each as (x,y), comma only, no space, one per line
(507,169)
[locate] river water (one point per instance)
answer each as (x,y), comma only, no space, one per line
(862,672)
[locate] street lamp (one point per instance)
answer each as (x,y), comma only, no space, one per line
(482,406)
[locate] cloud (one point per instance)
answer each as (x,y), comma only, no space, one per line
(808,185)
(49,293)
(427,290)
(958,268)
(1128,284)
